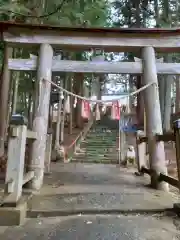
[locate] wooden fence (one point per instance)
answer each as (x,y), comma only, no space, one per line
(142,145)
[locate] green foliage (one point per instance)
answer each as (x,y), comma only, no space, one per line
(73,13)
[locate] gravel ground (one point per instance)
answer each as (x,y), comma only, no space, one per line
(139,227)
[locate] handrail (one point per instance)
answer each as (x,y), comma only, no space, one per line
(74,144)
(74,141)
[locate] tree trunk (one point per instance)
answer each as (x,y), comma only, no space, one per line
(15,92)
(99,82)
(140,103)
(30,117)
(71,107)
(9,112)
(161,95)
(78,89)
(167,103)
(64,110)
(58,123)
(130,90)
(4,95)
(168,80)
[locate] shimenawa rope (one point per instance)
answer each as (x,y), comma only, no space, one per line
(101,101)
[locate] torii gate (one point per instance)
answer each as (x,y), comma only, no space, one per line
(80,39)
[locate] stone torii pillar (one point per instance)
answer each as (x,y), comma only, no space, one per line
(153,118)
(40,122)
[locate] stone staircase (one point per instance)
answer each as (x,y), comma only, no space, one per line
(100,145)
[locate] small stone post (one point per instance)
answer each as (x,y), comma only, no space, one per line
(48,152)
(153,117)
(122,146)
(40,122)
(140,152)
(15,161)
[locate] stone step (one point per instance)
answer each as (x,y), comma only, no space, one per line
(95,156)
(85,152)
(97,153)
(96,150)
(104,146)
(103,161)
(102,131)
(100,138)
(100,142)
(92,143)
(94,140)
(98,157)
(102,149)
(98,145)
(102,127)
(101,134)
(91,157)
